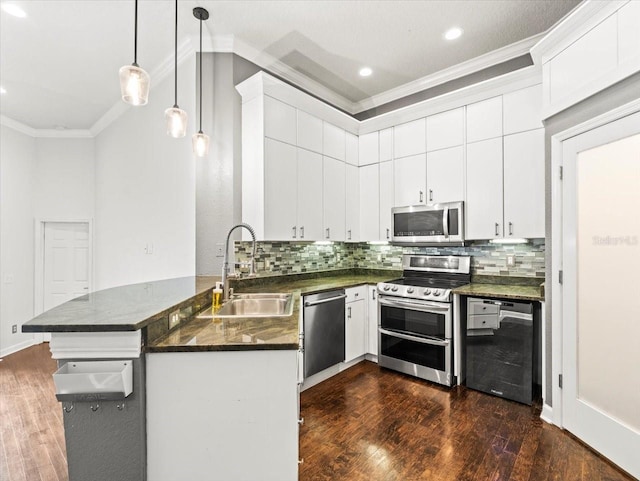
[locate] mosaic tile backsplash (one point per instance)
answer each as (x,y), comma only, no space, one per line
(277,258)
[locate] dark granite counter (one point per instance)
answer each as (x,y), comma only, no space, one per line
(504,291)
(125,308)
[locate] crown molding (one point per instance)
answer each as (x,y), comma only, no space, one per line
(17,126)
(45,133)
(466,68)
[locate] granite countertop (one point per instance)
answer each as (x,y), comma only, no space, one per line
(225,334)
(480,288)
(125,308)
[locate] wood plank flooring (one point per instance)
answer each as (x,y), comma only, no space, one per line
(366,423)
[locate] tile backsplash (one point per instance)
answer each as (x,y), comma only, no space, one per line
(276,258)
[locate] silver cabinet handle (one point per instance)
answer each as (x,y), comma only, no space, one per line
(348,312)
(430,195)
(302,232)
(387,233)
(294,231)
(324,301)
(349,234)
(420,196)
(510,228)
(328,235)
(497,227)
(373,295)
(421,340)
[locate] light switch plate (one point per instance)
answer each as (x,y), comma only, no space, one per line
(511,260)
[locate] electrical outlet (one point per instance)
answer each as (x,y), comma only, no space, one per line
(511,260)
(14,329)
(174,319)
(219,250)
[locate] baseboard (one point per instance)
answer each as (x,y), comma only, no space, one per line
(329,372)
(547,414)
(17,347)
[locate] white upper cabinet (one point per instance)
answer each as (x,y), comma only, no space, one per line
(334,142)
(351,154)
(522,110)
(386,144)
(369,202)
(309,132)
(483,207)
(280,121)
(445,175)
(386,200)
(409,139)
(368,152)
(334,199)
(484,120)
(410,180)
(280,190)
(309,218)
(524,184)
(445,129)
(352,196)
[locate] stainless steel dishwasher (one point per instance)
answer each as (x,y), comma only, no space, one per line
(323,330)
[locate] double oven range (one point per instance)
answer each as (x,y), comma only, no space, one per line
(415,316)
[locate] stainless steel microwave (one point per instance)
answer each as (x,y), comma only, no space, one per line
(432,224)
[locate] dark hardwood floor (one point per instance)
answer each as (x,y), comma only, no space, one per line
(366,423)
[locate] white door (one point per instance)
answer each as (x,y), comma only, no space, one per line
(410,179)
(309,195)
(66,262)
(386,200)
(600,308)
(334,199)
(369,202)
(352,200)
(445,175)
(280,191)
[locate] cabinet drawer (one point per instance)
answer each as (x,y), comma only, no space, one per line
(356,293)
(483,322)
(478,307)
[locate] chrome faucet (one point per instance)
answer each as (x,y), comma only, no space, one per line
(225,266)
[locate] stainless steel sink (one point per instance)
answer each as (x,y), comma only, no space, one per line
(253,305)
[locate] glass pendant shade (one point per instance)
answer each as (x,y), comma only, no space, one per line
(200,144)
(176,121)
(134,85)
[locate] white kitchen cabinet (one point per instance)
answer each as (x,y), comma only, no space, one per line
(310,195)
(372,319)
(280,120)
(309,132)
(351,149)
(524,184)
(334,179)
(445,129)
(280,190)
(352,207)
(369,202)
(484,119)
(522,110)
(333,142)
(409,139)
(355,323)
(483,208)
(445,175)
(410,180)
(386,200)
(386,144)
(368,149)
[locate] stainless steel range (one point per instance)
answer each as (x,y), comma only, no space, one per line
(415,316)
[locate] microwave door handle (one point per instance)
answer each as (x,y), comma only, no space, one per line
(445,221)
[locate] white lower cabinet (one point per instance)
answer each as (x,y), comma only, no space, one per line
(372,320)
(355,323)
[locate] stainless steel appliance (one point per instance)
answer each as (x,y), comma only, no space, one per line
(441,224)
(415,316)
(323,330)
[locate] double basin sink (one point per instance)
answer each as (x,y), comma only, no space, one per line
(252,305)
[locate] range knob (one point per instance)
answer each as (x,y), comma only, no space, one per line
(410,290)
(394,288)
(437,293)
(427,292)
(386,288)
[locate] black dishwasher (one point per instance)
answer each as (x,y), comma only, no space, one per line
(500,348)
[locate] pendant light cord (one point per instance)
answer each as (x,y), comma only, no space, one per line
(175,61)
(135,36)
(200,75)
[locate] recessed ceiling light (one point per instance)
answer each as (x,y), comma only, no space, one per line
(13,9)
(3,90)
(453,33)
(365,72)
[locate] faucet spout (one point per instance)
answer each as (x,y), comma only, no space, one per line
(225,265)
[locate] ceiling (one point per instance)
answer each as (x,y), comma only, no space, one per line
(59,65)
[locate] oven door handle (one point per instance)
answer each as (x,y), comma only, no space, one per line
(433,342)
(424,306)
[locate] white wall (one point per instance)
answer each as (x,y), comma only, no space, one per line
(17,182)
(145,191)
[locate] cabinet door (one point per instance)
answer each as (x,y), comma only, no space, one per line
(445,129)
(368,149)
(445,175)
(484,120)
(279,120)
(484,190)
(524,184)
(351,154)
(352,196)
(522,110)
(333,199)
(410,180)
(355,330)
(334,141)
(372,319)
(309,218)
(309,132)
(386,200)
(369,202)
(409,139)
(280,190)
(386,144)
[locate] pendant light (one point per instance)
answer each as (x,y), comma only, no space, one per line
(134,81)
(175,116)
(200,140)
